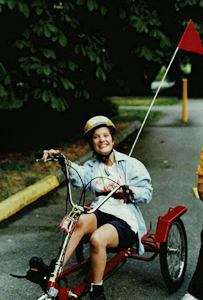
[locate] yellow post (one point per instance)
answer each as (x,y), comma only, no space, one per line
(185,97)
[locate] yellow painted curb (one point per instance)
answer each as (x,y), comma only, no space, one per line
(28,195)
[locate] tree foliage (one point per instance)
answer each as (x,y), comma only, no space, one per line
(64,52)
(49,53)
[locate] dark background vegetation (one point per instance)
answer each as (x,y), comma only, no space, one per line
(61,61)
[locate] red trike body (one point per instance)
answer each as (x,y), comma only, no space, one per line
(151,244)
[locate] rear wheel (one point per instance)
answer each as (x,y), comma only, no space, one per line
(173,256)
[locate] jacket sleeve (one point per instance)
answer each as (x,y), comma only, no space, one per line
(80,176)
(140,181)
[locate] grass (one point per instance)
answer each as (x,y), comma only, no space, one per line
(128,115)
(17,166)
(144,101)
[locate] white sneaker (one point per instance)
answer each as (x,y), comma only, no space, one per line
(188,297)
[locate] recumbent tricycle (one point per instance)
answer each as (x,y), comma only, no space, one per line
(169,242)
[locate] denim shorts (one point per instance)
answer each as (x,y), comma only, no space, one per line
(127,237)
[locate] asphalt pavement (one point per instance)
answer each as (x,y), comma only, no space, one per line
(171,152)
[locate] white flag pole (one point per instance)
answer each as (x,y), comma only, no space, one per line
(153,102)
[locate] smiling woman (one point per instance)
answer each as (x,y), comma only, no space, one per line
(118,222)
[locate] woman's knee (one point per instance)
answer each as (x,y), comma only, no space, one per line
(86,224)
(96,241)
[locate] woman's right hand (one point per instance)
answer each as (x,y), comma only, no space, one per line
(49,153)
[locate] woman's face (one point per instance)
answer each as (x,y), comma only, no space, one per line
(102,141)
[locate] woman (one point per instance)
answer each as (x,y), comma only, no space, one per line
(116,224)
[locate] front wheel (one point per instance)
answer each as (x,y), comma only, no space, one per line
(173,256)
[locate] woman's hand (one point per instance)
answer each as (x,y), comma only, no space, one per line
(124,195)
(49,153)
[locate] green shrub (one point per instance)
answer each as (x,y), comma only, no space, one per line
(18,166)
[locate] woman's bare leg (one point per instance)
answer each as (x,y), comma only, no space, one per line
(87,224)
(105,236)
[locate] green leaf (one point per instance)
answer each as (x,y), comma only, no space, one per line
(47,32)
(98,60)
(47,70)
(52,28)
(36,3)
(3,68)
(77,48)
(2,1)
(78,94)
(45,96)
(39,11)
(62,40)
(72,66)
(80,2)
(37,93)
(74,23)
(92,56)
(26,10)
(103,10)
(40,70)
(26,34)
(3,92)
(71,85)
(68,18)
(19,44)
(103,76)
(67,84)
(55,84)
(58,103)
(52,54)
(35,66)
(54,38)
(23,8)
(86,94)
(11,4)
(122,14)
(98,72)
(92,4)
(34,58)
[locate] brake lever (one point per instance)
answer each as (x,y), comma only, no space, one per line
(128,193)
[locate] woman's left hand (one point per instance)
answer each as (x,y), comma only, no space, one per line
(124,195)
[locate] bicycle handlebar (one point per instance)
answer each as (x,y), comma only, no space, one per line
(64,162)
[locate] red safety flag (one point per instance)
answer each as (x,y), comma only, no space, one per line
(190,40)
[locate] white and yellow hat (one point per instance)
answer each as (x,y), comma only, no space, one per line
(96,122)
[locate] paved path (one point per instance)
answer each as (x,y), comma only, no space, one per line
(171,153)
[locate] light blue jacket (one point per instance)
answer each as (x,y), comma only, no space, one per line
(134,174)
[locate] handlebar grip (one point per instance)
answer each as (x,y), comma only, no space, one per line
(55,157)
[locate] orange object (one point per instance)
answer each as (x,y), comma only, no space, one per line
(200,169)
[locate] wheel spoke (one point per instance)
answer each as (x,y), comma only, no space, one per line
(175,252)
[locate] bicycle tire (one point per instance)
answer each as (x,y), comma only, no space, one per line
(173,256)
